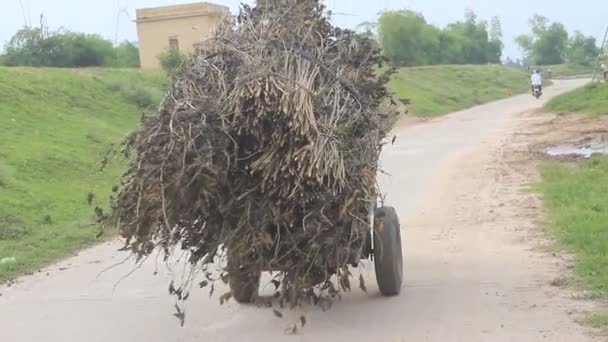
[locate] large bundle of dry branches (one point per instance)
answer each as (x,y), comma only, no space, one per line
(267,149)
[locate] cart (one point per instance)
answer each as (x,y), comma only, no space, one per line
(382,244)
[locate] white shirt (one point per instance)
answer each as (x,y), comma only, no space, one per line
(537,79)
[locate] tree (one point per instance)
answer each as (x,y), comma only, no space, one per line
(495,45)
(513,62)
(547,44)
(126,55)
(495,30)
(469,42)
(470,16)
(38,46)
(172,61)
(452,46)
(70,49)
(368,29)
(25,48)
(582,50)
(407,39)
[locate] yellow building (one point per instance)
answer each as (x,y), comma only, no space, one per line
(178,27)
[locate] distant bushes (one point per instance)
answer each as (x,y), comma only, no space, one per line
(172,60)
(39,47)
(126,55)
(550,43)
(143,89)
(407,39)
(134,93)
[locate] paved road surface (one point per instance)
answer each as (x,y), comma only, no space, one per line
(466,280)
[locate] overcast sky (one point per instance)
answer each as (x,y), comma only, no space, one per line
(99,16)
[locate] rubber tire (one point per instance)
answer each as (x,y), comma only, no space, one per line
(388,253)
(244,286)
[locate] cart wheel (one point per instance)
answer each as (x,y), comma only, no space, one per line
(388,255)
(244,285)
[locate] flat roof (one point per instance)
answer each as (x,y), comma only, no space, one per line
(180,11)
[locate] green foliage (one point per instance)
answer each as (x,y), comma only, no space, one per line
(495,42)
(26,47)
(408,40)
(437,90)
(469,42)
(39,47)
(172,60)
(569,70)
(592,99)
(582,50)
(56,126)
(549,43)
(143,89)
(11,228)
(125,55)
(577,205)
(597,321)
(368,29)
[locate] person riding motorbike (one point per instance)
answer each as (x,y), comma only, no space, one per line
(536,80)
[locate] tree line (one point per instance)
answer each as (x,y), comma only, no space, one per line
(407,39)
(550,43)
(41,47)
(405,36)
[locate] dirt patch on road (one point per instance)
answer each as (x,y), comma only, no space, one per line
(572,130)
(407,120)
(522,152)
(486,222)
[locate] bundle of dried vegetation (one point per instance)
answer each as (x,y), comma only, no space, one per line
(265,152)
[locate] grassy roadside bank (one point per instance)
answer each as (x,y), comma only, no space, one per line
(576,201)
(437,90)
(565,71)
(591,99)
(576,198)
(56,126)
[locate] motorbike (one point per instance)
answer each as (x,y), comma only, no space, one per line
(537,91)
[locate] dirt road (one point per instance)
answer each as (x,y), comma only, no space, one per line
(473,272)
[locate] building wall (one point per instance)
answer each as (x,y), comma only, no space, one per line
(189,24)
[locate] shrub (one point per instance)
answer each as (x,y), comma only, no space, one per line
(134,92)
(141,89)
(39,47)
(126,55)
(172,60)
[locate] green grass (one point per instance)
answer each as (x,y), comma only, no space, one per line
(438,90)
(576,199)
(597,321)
(591,99)
(569,70)
(55,126)
(143,88)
